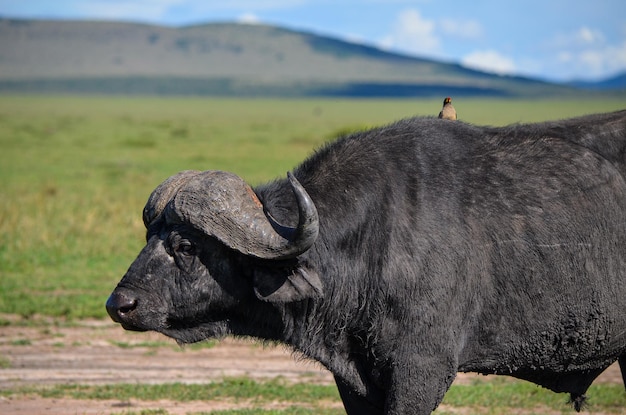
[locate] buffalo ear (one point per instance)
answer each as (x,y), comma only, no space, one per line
(286,285)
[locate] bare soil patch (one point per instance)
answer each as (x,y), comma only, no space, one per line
(99,352)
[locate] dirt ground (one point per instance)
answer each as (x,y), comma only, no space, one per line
(99,352)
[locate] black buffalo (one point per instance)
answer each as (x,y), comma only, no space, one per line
(402,255)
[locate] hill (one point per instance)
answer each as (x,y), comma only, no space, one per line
(616,82)
(226,59)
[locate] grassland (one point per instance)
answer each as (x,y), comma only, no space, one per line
(75,173)
(277,397)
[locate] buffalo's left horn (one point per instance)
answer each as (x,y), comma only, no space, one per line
(222,205)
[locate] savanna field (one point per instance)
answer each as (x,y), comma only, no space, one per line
(75,173)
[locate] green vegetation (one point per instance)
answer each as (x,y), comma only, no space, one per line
(504,395)
(207,344)
(75,173)
(295,410)
(236,389)
(484,397)
(149,345)
(21,342)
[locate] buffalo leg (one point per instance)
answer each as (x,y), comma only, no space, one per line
(622,367)
(355,404)
(419,386)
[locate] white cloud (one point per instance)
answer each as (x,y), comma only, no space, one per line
(528,66)
(249,4)
(489,61)
(160,9)
(137,9)
(249,18)
(582,37)
(412,33)
(588,36)
(564,57)
(596,62)
(585,51)
(354,38)
(465,29)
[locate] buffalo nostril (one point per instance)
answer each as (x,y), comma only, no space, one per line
(127,308)
(119,305)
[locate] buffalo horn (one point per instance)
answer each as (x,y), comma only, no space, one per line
(162,195)
(222,205)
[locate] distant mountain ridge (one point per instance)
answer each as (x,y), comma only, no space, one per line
(226,59)
(613,83)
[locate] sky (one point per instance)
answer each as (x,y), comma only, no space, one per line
(554,40)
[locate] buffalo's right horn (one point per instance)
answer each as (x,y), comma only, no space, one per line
(163,194)
(222,205)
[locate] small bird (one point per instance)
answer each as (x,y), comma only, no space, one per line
(447,112)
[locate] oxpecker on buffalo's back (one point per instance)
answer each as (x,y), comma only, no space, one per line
(447,112)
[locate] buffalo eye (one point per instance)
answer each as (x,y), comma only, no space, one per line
(184,253)
(178,245)
(186,248)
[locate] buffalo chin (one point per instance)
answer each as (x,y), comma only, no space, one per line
(187,335)
(130,327)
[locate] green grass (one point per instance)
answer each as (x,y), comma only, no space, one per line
(503,395)
(237,389)
(148,344)
(207,344)
(484,397)
(289,411)
(75,173)
(301,398)
(21,342)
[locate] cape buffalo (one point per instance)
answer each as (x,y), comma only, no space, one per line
(402,255)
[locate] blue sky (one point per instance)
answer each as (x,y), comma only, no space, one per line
(556,40)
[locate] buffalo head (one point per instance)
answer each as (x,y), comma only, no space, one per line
(213,254)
